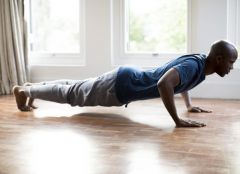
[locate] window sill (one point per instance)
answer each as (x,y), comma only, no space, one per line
(56,61)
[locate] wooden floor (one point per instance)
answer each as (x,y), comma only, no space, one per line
(140,139)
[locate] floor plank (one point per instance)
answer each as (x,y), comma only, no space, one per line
(142,138)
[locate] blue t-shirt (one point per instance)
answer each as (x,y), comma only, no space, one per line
(134,83)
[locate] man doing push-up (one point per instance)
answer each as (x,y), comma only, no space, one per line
(130,83)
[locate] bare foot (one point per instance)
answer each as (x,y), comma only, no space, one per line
(30,103)
(30,100)
(18,92)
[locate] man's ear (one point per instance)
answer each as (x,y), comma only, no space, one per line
(218,58)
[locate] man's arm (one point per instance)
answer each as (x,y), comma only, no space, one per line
(190,107)
(166,86)
(186,98)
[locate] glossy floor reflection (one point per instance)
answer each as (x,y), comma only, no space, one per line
(140,139)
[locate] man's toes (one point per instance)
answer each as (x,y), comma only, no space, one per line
(25,108)
(33,107)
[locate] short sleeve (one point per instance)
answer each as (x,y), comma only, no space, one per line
(187,70)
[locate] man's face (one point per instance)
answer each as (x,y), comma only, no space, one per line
(226,64)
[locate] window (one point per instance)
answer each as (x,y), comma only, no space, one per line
(238,23)
(56,32)
(149,32)
(156,26)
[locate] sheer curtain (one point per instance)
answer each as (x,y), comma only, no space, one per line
(13,45)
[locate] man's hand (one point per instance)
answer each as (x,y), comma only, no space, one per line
(190,123)
(190,108)
(197,109)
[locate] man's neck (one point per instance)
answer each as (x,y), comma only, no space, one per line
(209,66)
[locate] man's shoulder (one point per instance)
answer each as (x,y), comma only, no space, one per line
(130,67)
(194,57)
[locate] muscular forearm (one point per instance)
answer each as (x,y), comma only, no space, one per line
(166,86)
(186,98)
(167,94)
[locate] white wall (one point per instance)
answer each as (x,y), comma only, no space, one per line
(209,20)
(212,26)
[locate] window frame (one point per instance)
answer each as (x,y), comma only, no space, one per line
(233,25)
(238,23)
(51,58)
(118,39)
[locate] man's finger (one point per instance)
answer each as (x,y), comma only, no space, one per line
(194,124)
(195,110)
(203,124)
(197,123)
(200,123)
(204,110)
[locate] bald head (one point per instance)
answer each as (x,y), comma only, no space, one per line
(223,48)
(221,58)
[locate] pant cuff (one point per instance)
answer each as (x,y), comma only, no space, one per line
(27,91)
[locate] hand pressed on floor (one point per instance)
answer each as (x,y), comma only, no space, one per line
(197,109)
(190,123)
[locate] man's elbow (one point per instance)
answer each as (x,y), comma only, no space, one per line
(163,84)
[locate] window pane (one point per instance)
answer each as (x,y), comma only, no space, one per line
(158,26)
(55,26)
(238,48)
